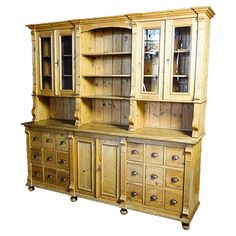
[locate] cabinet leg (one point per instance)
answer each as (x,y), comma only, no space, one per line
(31,188)
(186,226)
(123,211)
(73,198)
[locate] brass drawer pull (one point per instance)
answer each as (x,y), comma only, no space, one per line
(63,179)
(134,152)
(36,157)
(173,202)
(35,139)
(175,158)
(48,140)
(133,194)
(49,158)
(62,162)
(62,143)
(153,198)
(154,155)
(174,180)
(153,176)
(50,177)
(134,173)
(36,174)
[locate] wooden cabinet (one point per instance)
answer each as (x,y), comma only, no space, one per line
(118,109)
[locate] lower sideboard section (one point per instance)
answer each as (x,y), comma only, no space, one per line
(155,177)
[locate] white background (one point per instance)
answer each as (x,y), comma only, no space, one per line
(47,213)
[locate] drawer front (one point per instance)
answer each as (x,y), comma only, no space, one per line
(50,176)
(134,193)
(37,173)
(175,156)
(173,200)
(135,172)
(36,139)
(63,160)
(154,175)
(154,154)
(62,178)
(36,156)
(48,140)
(49,158)
(62,142)
(174,178)
(135,151)
(154,197)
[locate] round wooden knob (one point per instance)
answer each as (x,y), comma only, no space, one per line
(133,194)
(50,177)
(153,177)
(153,198)
(174,180)
(35,139)
(62,143)
(36,157)
(154,155)
(175,158)
(63,179)
(134,152)
(173,202)
(48,140)
(49,158)
(134,173)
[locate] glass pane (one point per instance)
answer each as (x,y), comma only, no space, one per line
(181,59)
(151,60)
(66,44)
(46,63)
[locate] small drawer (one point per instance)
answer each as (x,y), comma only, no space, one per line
(37,173)
(173,200)
(50,176)
(35,139)
(135,151)
(154,197)
(49,158)
(154,154)
(134,193)
(135,172)
(62,178)
(174,178)
(36,156)
(175,156)
(63,160)
(48,140)
(62,142)
(154,175)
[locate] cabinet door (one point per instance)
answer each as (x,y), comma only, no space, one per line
(45,68)
(64,62)
(151,37)
(85,165)
(180,53)
(108,167)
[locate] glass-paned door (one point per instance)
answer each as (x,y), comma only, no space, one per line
(66,63)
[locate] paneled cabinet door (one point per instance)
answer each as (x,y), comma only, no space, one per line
(45,63)
(180,54)
(85,165)
(64,61)
(108,169)
(150,35)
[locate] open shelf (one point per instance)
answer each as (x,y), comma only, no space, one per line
(182,51)
(182,76)
(107,76)
(101,54)
(106,97)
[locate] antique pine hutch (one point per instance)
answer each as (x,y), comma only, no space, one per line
(118,109)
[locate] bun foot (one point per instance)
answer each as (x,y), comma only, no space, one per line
(185,226)
(123,211)
(31,188)
(73,198)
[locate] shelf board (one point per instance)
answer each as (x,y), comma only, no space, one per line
(67,55)
(46,57)
(182,51)
(107,76)
(181,76)
(152,52)
(67,75)
(100,54)
(106,97)
(150,76)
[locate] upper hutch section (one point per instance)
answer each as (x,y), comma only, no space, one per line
(146,70)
